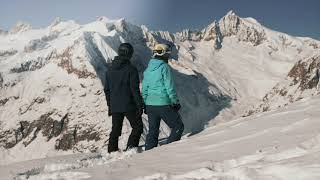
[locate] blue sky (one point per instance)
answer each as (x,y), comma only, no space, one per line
(296,17)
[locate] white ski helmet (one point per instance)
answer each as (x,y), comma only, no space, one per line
(161,49)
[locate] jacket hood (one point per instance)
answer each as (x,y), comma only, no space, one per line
(119,62)
(154,64)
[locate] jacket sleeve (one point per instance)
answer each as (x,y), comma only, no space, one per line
(107,89)
(145,87)
(134,87)
(169,84)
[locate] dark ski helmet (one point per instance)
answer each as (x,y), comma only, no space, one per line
(125,49)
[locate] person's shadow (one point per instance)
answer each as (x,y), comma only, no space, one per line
(201,100)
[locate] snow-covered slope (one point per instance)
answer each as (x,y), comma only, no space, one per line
(51,79)
(302,81)
(282,144)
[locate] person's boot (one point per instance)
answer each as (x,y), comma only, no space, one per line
(176,133)
(113,144)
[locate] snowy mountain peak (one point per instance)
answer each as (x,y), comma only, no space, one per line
(231,14)
(230,18)
(20,27)
(56,21)
(243,29)
(121,25)
(51,79)
(209,33)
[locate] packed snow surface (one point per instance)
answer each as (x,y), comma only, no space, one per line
(281,144)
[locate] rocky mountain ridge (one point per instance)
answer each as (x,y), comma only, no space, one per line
(51,79)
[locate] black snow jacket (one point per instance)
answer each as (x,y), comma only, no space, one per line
(122,86)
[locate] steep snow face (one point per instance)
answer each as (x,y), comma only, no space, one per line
(302,81)
(51,79)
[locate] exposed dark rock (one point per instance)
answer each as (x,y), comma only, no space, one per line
(5,100)
(35,44)
(66,142)
(306,73)
(283,92)
(66,64)
(31,65)
(53,35)
(285,41)
(31,137)
(38,100)
(252,35)
(88,134)
(25,128)
(69,139)
(5,138)
(82,85)
(266,108)
(98,92)
(49,128)
(28,131)
(248,113)
(7,53)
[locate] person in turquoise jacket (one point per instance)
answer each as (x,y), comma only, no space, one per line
(160,97)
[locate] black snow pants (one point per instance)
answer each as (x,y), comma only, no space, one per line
(170,116)
(117,121)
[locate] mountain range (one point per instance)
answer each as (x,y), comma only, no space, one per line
(51,79)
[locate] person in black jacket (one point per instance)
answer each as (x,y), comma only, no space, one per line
(124,98)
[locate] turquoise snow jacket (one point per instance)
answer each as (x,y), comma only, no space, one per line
(158,86)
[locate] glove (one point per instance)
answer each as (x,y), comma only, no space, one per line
(144,109)
(176,107)
(139,112)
